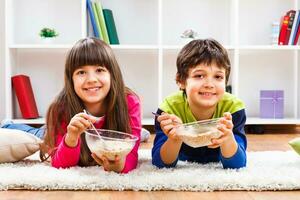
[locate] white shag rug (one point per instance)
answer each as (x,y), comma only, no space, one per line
(269,170)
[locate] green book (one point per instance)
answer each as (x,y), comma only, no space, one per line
(102,22)
(97,21)
(111,26)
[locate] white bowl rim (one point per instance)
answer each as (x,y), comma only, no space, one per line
(132,137)
(206,121)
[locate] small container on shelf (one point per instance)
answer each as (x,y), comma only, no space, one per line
(271,104)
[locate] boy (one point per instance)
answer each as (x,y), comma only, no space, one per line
(203,68)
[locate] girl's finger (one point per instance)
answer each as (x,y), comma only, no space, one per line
(97,159)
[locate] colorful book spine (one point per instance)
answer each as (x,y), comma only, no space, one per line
(294,31)
(24,93)
(296,34)
(92,17)
(97,21)
(111,26)
(291,15)
(283,30)
(102,21)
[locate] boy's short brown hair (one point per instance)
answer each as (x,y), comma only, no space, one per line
(199,51)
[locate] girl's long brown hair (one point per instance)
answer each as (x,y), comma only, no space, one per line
(87,51)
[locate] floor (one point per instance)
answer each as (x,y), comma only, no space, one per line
(272,139)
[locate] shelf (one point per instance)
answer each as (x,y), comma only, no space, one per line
(150,121)
(253,121)
(269,47)
(29,121)
(145,121)
(40,46)
(135,47)
(149,45)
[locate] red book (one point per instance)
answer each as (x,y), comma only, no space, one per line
(283,30)
(291,15)
(24,93)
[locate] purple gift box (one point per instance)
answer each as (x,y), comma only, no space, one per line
(271,104)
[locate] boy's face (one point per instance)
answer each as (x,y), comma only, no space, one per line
(205,85)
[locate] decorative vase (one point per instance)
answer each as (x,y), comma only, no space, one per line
(47,40)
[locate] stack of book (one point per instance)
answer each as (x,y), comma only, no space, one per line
(102,21)
(289,28)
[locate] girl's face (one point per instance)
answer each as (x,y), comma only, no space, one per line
(92,84)
(205,85)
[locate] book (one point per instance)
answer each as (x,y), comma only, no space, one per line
(111,26)
(283,29)
(297,35)
(294,28)
(102,21)
(97,21)
(24,93)
(92,17)
(291,14)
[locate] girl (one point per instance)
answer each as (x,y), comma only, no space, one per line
(93,81)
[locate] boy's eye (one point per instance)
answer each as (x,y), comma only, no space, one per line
(219,77)
(198,76)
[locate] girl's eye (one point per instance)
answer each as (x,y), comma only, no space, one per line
(80,72)
(100,70)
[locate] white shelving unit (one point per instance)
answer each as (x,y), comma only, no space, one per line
(149,32)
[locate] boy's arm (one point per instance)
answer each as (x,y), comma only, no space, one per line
(165,151)
(239,159)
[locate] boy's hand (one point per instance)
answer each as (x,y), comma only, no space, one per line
(225,126)
(78,124)
(116,165)
(167,124)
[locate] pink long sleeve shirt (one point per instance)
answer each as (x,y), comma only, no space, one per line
(66,156)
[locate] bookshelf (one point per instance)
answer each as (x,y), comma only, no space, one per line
(149,32)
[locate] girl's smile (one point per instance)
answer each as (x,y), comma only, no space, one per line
(92,84)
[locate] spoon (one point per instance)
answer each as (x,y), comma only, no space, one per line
(156,115)
(92,125)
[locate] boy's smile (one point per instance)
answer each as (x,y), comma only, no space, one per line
(204,87)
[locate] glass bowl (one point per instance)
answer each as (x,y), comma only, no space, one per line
(199,133)
(110,144)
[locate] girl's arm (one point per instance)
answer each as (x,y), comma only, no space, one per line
(134,110)
(65,156)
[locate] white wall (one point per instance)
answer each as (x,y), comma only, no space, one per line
(2,61)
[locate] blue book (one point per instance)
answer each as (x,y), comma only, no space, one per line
(295,29)
(92,17)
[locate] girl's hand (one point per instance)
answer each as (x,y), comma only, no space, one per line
(225,126)
(78,124)
(116,165)
(167,124)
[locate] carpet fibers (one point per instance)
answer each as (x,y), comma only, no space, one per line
(268,170)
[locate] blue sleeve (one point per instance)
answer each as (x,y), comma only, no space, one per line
(160,139)
(239,159)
